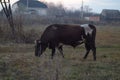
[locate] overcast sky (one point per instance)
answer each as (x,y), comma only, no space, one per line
(96,5)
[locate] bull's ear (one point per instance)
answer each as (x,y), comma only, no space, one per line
(35,41)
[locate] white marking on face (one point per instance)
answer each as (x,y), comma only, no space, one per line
(87,29)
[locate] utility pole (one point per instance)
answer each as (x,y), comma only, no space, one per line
(27,4)
(82,12)
(8,12)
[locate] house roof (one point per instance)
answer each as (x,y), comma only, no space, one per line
(32,3)
(110,12)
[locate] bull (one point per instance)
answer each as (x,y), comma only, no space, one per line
(57,35)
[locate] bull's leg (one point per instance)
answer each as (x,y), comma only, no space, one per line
(53,52)
(94,52)
(87,50)
(61,50)
(90,46)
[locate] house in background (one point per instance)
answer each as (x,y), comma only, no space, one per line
(93,18)
(110,15)
(34,7)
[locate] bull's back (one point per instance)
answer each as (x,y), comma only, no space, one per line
(70,33)
(59,32)
(48,34)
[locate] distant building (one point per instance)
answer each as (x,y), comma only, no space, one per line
(110,15)
(93,18)
(30,7)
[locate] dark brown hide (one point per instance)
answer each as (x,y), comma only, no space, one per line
(72,35)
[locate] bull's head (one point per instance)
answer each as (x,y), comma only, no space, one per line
(39,48)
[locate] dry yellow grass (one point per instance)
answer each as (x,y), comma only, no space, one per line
(17,61)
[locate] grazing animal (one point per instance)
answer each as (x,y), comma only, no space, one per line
(64,34)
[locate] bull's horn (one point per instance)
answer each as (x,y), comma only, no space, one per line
(39,41)
(35,41)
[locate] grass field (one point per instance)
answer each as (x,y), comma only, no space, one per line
(17,61)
